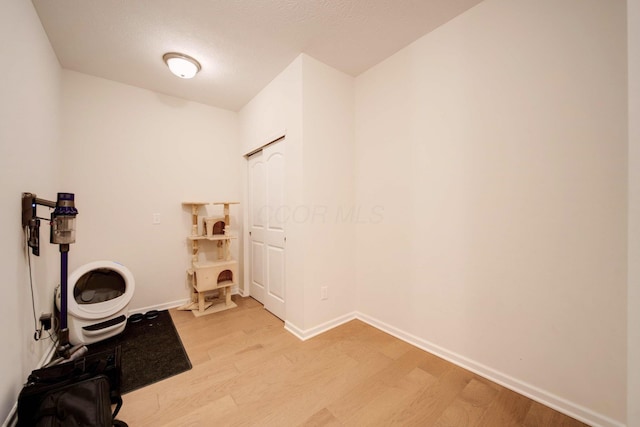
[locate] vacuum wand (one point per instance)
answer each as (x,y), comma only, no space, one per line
(63,332)
(63,233)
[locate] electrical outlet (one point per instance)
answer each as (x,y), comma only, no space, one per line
(45,321)
(156,218)
(324,293)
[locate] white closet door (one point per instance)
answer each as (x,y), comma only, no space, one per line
(267,215)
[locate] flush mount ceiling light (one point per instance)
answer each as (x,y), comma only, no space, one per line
(181,65)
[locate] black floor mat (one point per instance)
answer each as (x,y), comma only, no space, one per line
(151,351)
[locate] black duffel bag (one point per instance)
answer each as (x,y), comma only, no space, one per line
(74,394)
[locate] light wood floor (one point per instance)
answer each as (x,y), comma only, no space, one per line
(248,371)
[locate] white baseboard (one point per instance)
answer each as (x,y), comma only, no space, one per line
(305,334)
(159,307)
(558,403)
(173,304)
(12,417)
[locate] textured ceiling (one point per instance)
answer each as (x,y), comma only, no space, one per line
(241,44)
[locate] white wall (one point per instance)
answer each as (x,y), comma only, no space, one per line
(496,147)
(130,153)
(490,191)
(633,322)
(313,103)
(29,162)
(330,213)
(277,109)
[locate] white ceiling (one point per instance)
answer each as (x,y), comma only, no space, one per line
(241,44)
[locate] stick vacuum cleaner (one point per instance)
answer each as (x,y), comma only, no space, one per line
(63,233)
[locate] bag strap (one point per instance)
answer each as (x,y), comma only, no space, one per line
(118,401)
(118,423)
